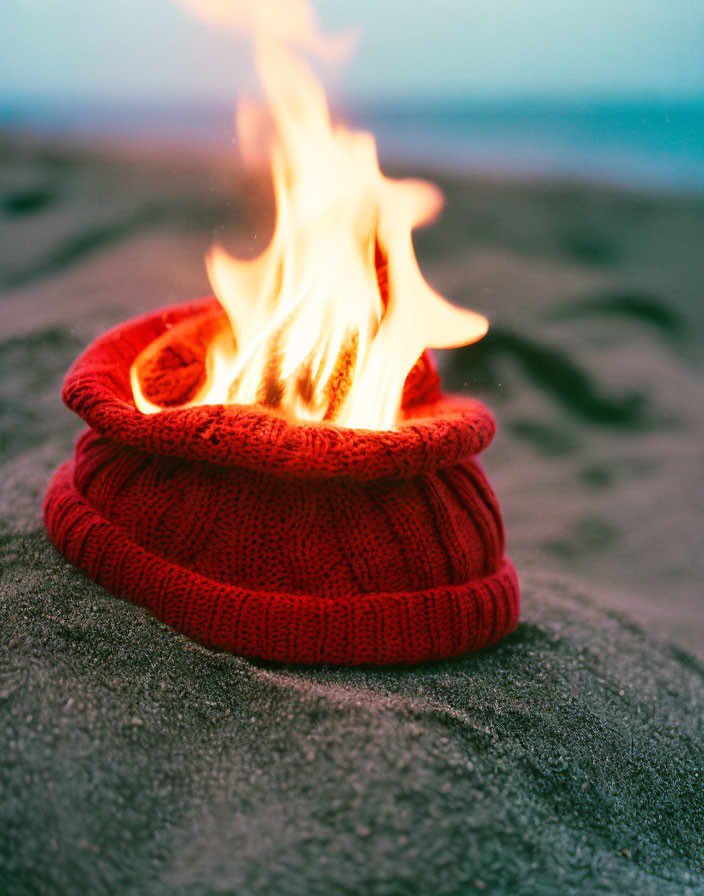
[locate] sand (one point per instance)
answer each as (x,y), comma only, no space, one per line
(568,759)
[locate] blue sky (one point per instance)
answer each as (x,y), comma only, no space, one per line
(148,50)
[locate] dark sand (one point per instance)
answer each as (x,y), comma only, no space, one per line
(569,759)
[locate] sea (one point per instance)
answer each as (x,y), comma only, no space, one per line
(656,144)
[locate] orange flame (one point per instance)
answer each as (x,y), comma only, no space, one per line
(329,320)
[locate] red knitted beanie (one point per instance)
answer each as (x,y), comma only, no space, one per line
(297,542)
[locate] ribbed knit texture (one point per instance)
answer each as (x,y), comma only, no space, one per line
(305,543)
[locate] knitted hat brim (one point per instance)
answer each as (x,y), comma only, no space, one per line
(352,629)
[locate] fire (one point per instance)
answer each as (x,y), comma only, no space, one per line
(329,320)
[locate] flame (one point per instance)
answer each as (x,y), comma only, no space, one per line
(329,320)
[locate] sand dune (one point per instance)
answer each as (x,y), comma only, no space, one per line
(562,761)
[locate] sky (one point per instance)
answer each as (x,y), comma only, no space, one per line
(155,51)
